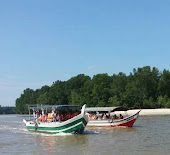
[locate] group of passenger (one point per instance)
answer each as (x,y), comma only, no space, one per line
(54,116)
(116,117)
(104,116)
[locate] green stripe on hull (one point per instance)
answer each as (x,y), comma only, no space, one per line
(71,130)
(80,126)
(76,125)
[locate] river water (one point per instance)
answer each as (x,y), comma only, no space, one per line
(150,135)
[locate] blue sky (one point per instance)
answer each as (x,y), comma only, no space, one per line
(44,41)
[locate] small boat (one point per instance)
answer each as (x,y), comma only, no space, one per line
(107,117)
(60,119)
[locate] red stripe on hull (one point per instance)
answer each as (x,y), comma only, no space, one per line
(127,124)
(118,124)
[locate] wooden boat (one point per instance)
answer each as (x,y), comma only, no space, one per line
(110,121)
(65,119)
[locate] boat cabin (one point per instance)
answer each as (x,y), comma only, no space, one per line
(54,113)
(105,113)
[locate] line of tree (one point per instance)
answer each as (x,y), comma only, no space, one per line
(7,110)
(145,87)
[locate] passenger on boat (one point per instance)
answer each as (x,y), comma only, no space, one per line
(76,113)
(104,116)
(37,116)
(34,113)
(88,115)
(108,116)
(99,118)
(41,118)
(69,116)
(57,117)
(121,117)
(62,117)
(115,117)
(46,117)
(50,118)
(92,116)
(53,115)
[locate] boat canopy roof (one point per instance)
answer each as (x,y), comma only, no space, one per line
(52,106)
(105,109)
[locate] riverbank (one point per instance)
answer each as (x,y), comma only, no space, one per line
(148,112)
(143,112)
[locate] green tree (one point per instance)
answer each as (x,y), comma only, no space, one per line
(101,89)
(145,87)
(25,99)
(164,84)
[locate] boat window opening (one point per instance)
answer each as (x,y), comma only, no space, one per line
(104,115)
(68,112)
(60,114)
(98,115)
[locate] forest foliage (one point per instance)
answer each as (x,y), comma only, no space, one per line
(7,110)
(145,87)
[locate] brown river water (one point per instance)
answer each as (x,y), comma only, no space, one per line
(150,135)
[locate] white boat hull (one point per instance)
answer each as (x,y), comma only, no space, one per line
(126,122)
